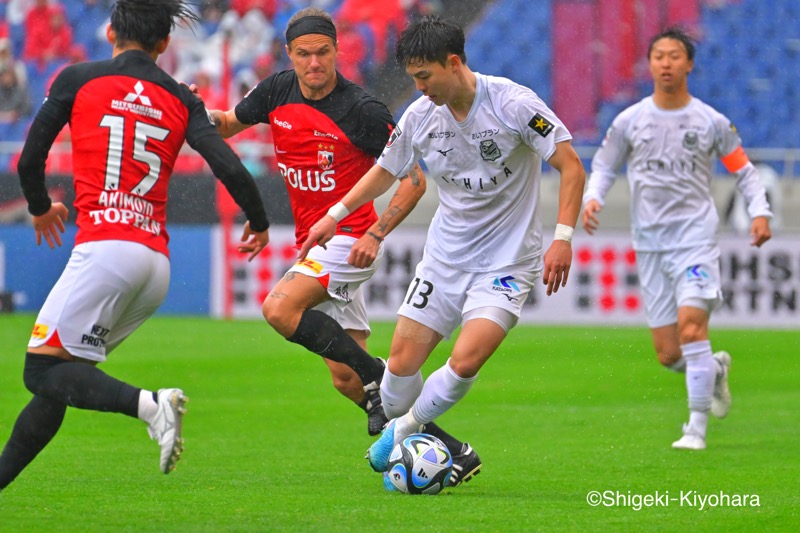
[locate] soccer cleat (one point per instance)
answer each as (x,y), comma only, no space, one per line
(387,483)
(166,427)
(721,400)
(376,418)
(691,440)
(466,465)
(378,453)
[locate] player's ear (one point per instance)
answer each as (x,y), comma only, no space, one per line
(162,45)
(111,35)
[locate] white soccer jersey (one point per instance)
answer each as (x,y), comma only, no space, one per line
(488,169)
(670,156)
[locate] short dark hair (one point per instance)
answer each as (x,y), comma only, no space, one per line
(430,39)
(147,22)
(677,33)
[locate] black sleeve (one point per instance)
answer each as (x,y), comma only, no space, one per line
(375,127)
(256,106)
(228,168)
(51,118)
(31,166)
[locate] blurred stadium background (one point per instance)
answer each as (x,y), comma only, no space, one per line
(586,58)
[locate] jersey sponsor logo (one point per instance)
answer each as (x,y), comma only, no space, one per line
(308,180)
(396,133)
(123,208)
(441,134)
(445,152)
(97,337)
(489,150)
(696,274)
(39,331)
(310,264)
(691,140)
(323,134)
(282,123)
(506,287)
(144,107)
(541,125)
(485,133)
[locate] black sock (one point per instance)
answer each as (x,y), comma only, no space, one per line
(319,333)
(453,444)
(36,425)
(79,385)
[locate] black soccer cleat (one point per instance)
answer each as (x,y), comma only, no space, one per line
(466,465)
(376,418)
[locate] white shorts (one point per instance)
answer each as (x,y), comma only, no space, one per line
(668,279)
(440,295)
(106,291)
(341,280)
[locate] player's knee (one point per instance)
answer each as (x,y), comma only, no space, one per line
(277,315)
(35,371)
(465,367)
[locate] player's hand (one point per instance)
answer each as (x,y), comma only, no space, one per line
(557,261)
(51,225)
(759,231)
(589,217)
(320,233)
(253,241)
(364,251)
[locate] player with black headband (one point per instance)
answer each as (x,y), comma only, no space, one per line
(128,120)
(327,133)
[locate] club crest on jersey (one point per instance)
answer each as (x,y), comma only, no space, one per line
(541,125)
(396,133)
(690,140)
(489,150)
(324,159)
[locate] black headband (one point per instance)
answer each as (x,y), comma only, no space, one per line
(310,24)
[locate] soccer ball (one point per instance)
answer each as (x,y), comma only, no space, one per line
(420,464)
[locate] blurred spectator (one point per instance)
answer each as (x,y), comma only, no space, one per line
(212,11)
(16,10)
(386,20)
(245,38)
(7,60)
(354,60)
(75,54)
(267,7)
(185,53)
(48,35)
(87,17)
(212,97)
(15,102)
(263,66)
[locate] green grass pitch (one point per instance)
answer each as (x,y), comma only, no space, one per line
(270,446)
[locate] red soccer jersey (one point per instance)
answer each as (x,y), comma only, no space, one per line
(323,147)
(128,121)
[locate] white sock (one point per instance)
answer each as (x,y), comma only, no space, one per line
(405,426)
(443,389)
(698,421)
(701,372)
(678,366)
(147,406)
(399,392)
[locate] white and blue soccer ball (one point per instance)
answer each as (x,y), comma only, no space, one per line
(420,464)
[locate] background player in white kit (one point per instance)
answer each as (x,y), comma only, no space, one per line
(483,140)
(668,141)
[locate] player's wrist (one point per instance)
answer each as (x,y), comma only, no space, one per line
(338,211)
(563,233)
(375,236)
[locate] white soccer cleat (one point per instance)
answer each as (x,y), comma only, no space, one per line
(691,440)
(721,400)
(166,427)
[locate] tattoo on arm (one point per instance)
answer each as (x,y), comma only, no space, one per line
(387,216)
(278,295)
(289,276)
(215,117)
(415,175)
